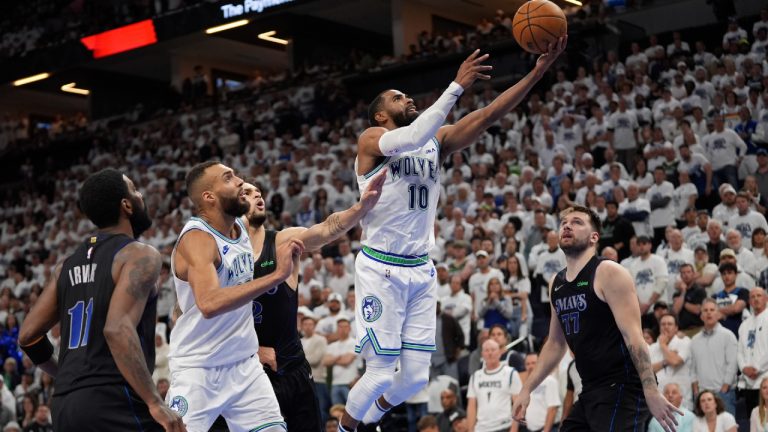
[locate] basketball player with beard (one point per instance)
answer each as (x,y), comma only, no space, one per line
(274,312)
(596,313)
(105,296)
(394,277)
(212,356)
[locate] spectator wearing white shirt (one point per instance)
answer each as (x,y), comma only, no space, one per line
(711,414)
(670,357)
(622,125)
(637,59)
(726,210)
(746,220)
(342,357)
(753,348)
(459,305)
(651,277)
(676,255)
(745,259)
(734,34)
(544,401)
(478,282)
(725,149)
(758,421)
(660,195)
(636,210)
(713,356)
(491,391)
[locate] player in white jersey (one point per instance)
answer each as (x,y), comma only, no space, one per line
(395,284)
(213,362)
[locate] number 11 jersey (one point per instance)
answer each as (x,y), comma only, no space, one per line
(84,292)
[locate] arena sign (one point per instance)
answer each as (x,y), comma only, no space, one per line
(250,6)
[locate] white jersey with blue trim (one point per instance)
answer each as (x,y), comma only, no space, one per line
(403,220)
(227,338)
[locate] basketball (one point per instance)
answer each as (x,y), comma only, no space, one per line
(538,23)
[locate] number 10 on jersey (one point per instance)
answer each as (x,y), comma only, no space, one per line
(418,197)
(78,334)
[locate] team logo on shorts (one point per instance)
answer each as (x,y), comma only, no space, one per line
(180,405)
(372,308)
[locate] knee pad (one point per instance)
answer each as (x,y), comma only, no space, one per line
(377,379)
(412,376)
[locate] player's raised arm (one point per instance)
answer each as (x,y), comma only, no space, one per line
(44,315)
(467,130)
(391,140)
(138,267)
(621,297)
(338,223)
(195,258)
(551,354)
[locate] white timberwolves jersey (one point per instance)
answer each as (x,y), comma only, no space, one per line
(403,220)
(227,338)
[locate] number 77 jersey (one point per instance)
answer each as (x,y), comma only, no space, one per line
(403,219)
(84,291)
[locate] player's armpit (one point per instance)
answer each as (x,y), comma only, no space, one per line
(44,314)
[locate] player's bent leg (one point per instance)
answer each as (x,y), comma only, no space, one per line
(377,379)
(251,405)
(412,376)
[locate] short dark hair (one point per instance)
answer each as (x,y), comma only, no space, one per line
(332,420)
(375,106)
(720,406)
(594,219)
(196,173)
(724,267)
(100,197)
(669,314)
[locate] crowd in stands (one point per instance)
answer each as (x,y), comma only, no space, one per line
(669,145)
(37,24)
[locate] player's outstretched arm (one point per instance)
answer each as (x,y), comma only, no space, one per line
(338,223)
(43,316)
(551,354)
(138,270)
(467,130)
(378,141)
(619,292)
(197,254)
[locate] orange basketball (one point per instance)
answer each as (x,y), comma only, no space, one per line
(537,24)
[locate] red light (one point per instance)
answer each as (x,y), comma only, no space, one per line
(121,39)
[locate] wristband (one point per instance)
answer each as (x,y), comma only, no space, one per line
(39,351)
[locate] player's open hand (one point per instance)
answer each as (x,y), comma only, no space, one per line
(662,411)
(472,69)
(372,194)
(168,419)
(553,52)
(521,406)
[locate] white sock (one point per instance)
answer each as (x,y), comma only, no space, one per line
(374,413)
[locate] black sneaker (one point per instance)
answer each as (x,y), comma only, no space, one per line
(368,428)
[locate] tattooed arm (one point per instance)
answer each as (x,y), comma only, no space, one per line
(135,269)
(338,223)
(614,285)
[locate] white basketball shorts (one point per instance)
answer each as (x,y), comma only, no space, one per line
(241,392)
(396,301)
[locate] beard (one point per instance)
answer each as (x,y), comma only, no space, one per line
(232,206)
(256,219)
(404,118)
(576,248)
(140,220)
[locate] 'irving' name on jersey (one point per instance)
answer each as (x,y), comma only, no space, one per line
(82,274)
